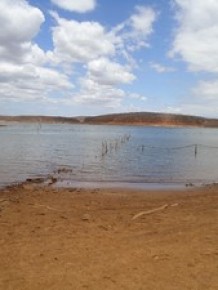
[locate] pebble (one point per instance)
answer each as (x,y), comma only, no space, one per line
(86,217)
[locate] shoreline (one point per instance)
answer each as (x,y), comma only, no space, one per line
(148,125)
(80,238)
(161,185)
(123,185)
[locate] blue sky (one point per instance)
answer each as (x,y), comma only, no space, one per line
(90,57)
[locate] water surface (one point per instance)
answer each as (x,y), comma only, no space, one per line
(134,154)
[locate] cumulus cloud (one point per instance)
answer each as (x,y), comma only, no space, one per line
(30,82)
(93,93)
(134,32)
(196,40)
(80,41)
(102,55)
(106,72)
(23,71)
(143,19)
(14,17)
(80,6)
(101,52)
(76,41)
(19,24)
(196,43)
(101,83)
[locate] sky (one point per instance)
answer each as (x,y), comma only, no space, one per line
(92,57)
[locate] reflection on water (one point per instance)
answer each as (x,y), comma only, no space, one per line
(133,154)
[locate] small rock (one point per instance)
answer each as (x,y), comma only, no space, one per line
(174,204)
(53,180)
(105,228)
(86,217)
(156,257)
(189,184)
(63,217)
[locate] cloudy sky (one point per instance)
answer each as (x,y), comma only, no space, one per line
(90,57)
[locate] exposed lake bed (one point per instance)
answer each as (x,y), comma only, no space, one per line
(59,238)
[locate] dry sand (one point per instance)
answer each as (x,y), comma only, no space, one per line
(87,239)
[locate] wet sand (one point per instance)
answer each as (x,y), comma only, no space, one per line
(108,239)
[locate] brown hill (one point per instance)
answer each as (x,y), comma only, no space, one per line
(140,118)
(39,119)
(152,119)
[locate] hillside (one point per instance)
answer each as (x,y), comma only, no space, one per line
(152,119)
(141,119)
(39,119)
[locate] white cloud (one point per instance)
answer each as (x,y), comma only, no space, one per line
(102,55)
(100,52)
(196,39)
(199,108)
(142,21)
(80,6)
(159,68)
(80,41)
(100,86)
(196,42)
(76,41)
(106,72)
(93,93)
(207,90)
(19,24)
(23,71)
(30,82)
(134,32)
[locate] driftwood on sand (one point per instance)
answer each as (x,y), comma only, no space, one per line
(47,207)
(149,211)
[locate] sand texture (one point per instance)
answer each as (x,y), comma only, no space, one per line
(108,239)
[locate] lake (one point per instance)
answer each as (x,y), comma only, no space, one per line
(108,154)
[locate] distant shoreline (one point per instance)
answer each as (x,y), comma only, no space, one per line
(125,119)
(169,126)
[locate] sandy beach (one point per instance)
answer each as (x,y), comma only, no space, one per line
(108,238)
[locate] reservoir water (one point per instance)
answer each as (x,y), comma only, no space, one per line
(93,154)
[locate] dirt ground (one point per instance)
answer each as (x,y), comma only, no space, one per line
(108,239)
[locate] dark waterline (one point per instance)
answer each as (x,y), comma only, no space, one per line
(124,185)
